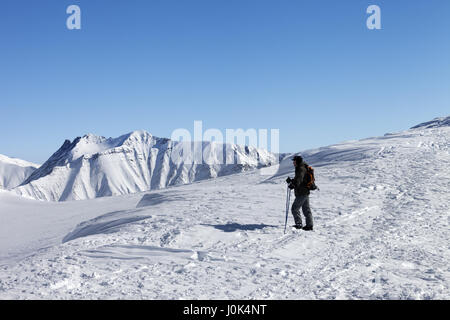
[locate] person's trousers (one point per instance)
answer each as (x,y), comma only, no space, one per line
(303,203)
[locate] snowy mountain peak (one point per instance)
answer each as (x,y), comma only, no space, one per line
(142,134)
(91,145)
(139,136)
(92,138)
(435,123)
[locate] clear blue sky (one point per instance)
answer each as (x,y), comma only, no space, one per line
(309,68)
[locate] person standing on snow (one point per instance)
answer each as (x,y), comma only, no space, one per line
(301,195)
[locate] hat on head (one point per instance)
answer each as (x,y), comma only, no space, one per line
(297,159)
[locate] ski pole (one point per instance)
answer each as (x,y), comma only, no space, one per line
(288,202)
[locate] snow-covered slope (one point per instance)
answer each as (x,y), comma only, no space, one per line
(93,166)
(14,171)
(382,231)
(406,142)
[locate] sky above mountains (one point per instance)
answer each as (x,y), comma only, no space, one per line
(309,68)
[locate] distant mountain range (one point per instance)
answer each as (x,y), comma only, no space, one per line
(92,166)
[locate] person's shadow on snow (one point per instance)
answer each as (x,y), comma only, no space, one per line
(232,227)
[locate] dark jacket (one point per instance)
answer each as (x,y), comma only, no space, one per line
(299,186)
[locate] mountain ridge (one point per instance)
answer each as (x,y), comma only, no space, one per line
(94,166)
(13,171)
(435,123)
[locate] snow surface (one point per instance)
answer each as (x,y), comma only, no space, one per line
(14,171)
(381,232)
(92,166)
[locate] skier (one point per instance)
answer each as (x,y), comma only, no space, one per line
(301,195)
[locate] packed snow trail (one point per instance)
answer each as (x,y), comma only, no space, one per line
(381,232)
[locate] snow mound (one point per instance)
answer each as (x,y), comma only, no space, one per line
(404,142)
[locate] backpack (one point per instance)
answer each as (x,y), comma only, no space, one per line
(309,180)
